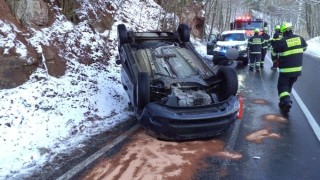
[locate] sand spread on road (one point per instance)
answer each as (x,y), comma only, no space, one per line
(148,158)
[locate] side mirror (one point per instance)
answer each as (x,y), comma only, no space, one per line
(265,24)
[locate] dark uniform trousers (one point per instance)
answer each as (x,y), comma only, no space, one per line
(285,84)
(274,58)
(254,60)
(263,54)
(265,46)
(290,49)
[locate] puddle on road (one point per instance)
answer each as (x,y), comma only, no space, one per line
(260,102)
(274,118)
(148,158)
(260,135)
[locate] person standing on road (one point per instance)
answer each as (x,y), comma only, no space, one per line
(276,37)
(265,45)
(254,47)
(290,49)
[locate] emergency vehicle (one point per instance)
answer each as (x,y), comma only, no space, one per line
(248,24)
(242,26)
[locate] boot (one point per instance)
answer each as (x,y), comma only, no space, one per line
(261,64)
(258,68)
(285,106)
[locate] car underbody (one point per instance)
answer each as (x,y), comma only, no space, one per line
(167,81)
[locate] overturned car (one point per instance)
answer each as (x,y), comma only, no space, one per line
(175,94)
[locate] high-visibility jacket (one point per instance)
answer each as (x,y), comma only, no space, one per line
(255,44)
(276,37)
(290,49)
(266,42)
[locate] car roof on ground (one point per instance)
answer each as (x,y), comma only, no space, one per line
(234,32)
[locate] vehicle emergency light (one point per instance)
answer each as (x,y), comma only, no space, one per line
(244,18)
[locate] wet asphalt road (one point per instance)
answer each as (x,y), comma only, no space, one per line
(293,154)
(262,145)
(308,85)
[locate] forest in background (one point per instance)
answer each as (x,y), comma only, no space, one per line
(304,14)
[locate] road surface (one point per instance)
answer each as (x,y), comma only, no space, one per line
(263,145)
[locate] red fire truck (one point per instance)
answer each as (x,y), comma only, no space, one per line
(247,23)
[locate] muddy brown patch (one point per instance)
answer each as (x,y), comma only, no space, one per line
(260,101)
(260,135)
(274,118)
(148,158)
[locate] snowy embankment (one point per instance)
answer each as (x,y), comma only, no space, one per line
(314,46)
(46,115)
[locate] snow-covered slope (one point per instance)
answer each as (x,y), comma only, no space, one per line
(47,115)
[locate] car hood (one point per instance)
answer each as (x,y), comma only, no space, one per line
(231,43)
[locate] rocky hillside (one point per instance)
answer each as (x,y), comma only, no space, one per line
(59,83)
(48,33)
(38,33)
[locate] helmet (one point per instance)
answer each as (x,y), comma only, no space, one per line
(265,29)
(277,27)
(285,27)
(256,30)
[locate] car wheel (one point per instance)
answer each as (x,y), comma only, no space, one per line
(245,61)
(229,82)
(184,32)
(122,35)
(143,90)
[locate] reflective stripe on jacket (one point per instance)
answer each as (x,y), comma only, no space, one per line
(266,42)
(290,49)
(255,44)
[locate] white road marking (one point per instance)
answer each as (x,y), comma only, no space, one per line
(80,167)
(313,123)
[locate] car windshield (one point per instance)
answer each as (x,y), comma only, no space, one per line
(233,37)
(248,26)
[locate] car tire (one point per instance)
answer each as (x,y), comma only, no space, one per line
(184,32)
(122,35)
(245,61)
(229,82)
(143,90)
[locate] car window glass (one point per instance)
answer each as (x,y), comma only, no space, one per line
(233,37)
(249,26)
(212,37)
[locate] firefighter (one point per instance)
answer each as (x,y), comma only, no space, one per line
(265,45)
(254,47)
(276,37)
(290,49)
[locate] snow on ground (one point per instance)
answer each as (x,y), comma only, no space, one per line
(314,46)
(48,115)
(8,39)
